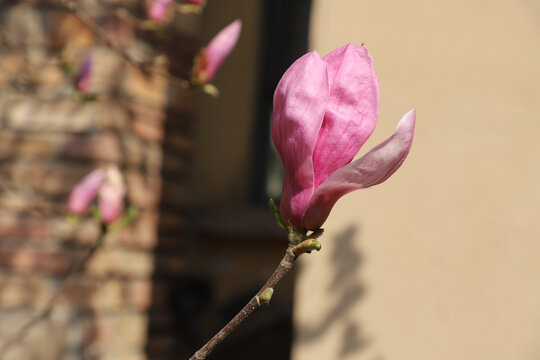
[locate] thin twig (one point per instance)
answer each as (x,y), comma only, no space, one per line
(47,310)
(86,20)
(295,249)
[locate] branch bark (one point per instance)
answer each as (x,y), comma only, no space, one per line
(299,244)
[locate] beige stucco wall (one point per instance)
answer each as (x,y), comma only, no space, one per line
(443,260)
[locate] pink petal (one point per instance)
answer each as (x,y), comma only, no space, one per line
(371,169)
(300,102)
(196,2)
(158,9)
(85,191)
(352,113)
(111,196)
(220,47)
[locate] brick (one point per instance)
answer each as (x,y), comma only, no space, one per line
(177,143)
(14,175)
(31,260)
(23,25)
(112,115)
(143,191)
(42,289)
(12,226)
(104,330)
(107,71)
(84,231)
(178,123)
(173,163)
(98,295)
(127,355)
(169,264)
(176,193)
(23,291)
(147,130)
(46,340)
(163,345)
(11,64)
(147,122)
(66,31)
(171,223)
(55,178)
(139,294)
(103,147)
(182,101)
(154,159)
(77,293)
(135,150)
(142,233)
(142,155)
(50,77)
(14,144)
(120,262)
(33,115)
(170,243)
(109,295)
(161,296)
(144,87)
(23,202)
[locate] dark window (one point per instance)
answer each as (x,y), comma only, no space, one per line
(285,39)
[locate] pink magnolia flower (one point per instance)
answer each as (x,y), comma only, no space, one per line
(324,111)
(108,185)
(85,72)
(158,9)
(210,58)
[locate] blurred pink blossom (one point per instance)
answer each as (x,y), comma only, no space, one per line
(105,184)
(85,72)
(210,58)
(158,9)
(324,111)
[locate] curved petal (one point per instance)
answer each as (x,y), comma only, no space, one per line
(371,169)
(299,105)
(85,191)
(220,47)
(111,196)
(352,113)
(290,212)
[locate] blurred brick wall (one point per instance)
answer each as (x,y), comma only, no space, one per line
(48,141)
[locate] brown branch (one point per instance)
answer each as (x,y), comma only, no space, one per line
(298,246)
(42,315)
(87,21)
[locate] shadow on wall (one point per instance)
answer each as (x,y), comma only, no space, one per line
(348,289)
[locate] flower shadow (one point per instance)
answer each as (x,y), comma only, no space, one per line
(348,289)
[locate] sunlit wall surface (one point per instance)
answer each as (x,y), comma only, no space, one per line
(441,261)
